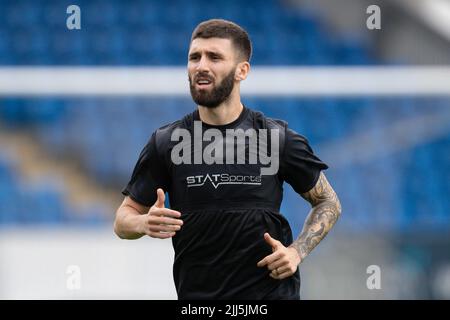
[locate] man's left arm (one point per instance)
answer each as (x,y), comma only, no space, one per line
(326,209)
(324,213)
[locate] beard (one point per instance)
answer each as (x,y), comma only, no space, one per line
(217,94)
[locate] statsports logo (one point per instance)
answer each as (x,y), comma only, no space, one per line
(218,179)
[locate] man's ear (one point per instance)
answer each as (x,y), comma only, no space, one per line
(242,70)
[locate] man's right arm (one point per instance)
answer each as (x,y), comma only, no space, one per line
(134,220)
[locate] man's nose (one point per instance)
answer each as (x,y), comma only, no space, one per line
(202,64)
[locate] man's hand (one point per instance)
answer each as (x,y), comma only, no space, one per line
(283,262)
(161,222)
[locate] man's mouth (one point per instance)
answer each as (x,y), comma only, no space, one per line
(203,83)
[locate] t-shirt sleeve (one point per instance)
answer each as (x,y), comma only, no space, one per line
(149,174)
(300,166)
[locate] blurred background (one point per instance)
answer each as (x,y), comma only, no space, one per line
(77,106)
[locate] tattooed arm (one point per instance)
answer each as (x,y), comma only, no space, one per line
(283,261)
(325,211)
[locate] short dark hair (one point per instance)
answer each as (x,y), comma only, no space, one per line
(220,28)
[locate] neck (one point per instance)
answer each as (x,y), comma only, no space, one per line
(225,113)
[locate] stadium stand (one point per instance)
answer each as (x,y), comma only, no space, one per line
(92,128)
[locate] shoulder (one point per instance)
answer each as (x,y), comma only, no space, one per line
(277,124)
(267,122)
(262,121)
(165,131)
(162,136)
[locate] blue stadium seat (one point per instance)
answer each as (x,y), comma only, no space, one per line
(138,34)
(157,33)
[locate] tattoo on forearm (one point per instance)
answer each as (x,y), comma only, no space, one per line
(325,211)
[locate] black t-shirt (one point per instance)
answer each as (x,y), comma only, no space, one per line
(226,207)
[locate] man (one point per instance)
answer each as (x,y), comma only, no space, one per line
(230,240)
